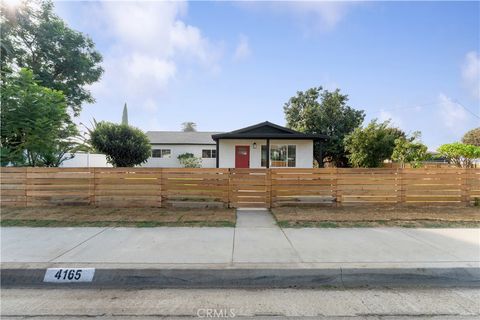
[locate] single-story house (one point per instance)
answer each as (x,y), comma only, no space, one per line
(168,145)
(264,145)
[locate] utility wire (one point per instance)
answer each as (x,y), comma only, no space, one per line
(429,104)
(407,108)
(470,111)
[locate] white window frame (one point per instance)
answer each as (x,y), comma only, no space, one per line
(278,146)
(164,153)
(212,151)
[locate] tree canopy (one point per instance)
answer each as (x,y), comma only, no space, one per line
(63,59)
(472,137)
(189,126)
(321,111)
(459,154)
(124,146)
(410,150)
(370,146)
(36,129)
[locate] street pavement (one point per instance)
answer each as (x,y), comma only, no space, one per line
(436,304)
(256,242)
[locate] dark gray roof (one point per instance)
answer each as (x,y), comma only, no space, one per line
(268,130)
(180,137)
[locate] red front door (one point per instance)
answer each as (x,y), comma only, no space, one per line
(242,156)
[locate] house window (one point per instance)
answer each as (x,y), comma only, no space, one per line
(292,155)
(264,156)
(283,156)
(161,153)
(209,153)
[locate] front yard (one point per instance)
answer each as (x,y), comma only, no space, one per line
(115,217)
(378,216)
(322,217)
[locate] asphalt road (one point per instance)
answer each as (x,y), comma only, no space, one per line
(446,303)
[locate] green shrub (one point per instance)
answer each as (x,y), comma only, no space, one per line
(188,160)
(124,146)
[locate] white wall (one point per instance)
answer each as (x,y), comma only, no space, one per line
(177,150)
(86,160)
(304,150)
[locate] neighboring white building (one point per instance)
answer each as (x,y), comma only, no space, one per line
(168,145)
(82,159)
(243,148)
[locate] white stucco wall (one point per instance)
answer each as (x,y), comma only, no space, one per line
(81,160)
(177,150)
(304,150)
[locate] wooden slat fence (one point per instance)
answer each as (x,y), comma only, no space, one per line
(185,184)
(126,187)
(249,188)
(53,186)
(364,186)
(236,188)
(13,187)
(305,186)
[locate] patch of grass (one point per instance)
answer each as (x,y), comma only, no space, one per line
(378,216)
(116,217)
(55,223)
(328,224)
(374,224)
(143,224)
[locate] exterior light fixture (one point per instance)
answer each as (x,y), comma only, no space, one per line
(254,145)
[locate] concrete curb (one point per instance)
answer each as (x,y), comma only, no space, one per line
(253,278)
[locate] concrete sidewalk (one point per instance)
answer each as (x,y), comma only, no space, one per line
(256,243)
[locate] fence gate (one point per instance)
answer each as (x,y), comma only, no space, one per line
(249,188)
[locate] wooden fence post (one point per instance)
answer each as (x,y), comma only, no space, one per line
(25,186)
(27,191)
(160,186)
(336,192)
(401,176)
(466,186)
(229,197)
(91,188)
(268,187)
(163,188)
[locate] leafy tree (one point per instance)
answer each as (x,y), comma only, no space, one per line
(189,127)
(34,37)
(370,146)
(188,160)
(124,146)
(472,137)
(410,150)
(125,115)
(459,154)
(36,129)
(320,111)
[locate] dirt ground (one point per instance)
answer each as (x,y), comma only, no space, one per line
(372,216)
(96,216)
(324,217)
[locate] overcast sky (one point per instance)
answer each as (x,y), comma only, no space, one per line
(226,65)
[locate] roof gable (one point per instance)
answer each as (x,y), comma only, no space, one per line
(265,127)
(267,130)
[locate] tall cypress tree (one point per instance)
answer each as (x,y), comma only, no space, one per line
(125,115)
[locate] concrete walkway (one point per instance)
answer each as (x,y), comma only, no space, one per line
(256,242)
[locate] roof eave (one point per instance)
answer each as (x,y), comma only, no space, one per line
(270,136)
